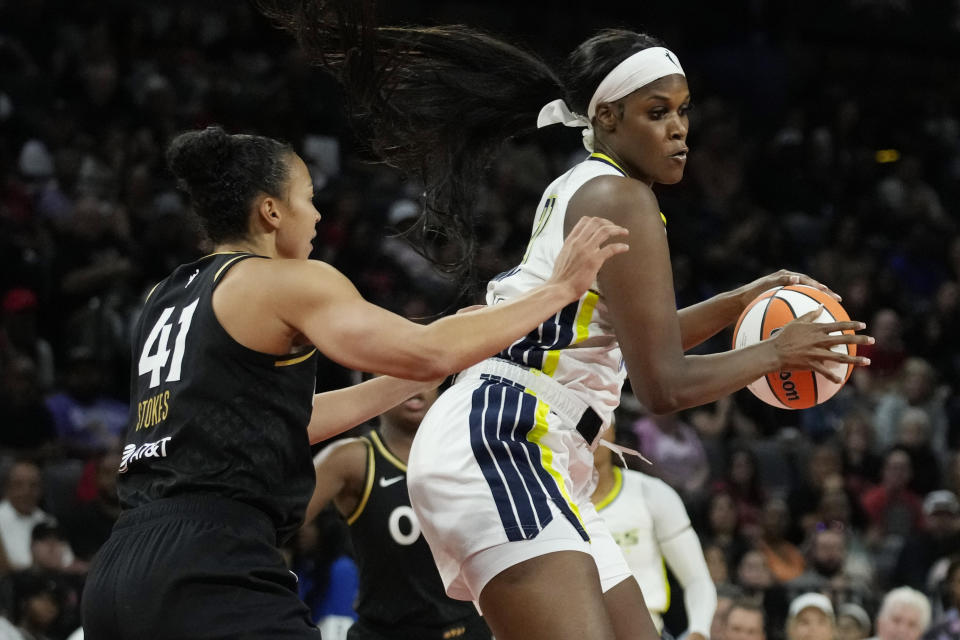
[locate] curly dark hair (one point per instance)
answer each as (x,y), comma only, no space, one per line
(222,173)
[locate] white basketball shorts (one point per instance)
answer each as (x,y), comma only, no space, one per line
(498,474)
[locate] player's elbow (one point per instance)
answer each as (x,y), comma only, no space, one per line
(431,363)
(659,399)
(662,404)
(431,370)
(662,390)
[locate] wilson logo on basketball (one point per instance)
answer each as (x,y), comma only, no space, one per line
(789,388)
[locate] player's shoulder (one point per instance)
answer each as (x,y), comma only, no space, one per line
(651,485)
(289,280)
(344,451)
(291,267)
(615,197)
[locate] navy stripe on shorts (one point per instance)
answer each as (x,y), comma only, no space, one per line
(501,418)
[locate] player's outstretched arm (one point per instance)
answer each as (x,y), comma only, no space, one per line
(699,322)
(336,411)
(638,290)
(319,302)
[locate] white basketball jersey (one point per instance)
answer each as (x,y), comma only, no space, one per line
(576,347)
(640,511)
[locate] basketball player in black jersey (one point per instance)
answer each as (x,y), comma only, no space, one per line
(401,595)
(216,468)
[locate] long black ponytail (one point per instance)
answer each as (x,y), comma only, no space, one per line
(439,102)
(434,102)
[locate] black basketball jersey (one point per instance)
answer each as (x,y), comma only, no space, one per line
(399,583)
(208,415)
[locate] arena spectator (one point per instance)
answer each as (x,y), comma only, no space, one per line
(811,617)
(853,623)
(744,621)
(913,436)
(743,484)
(939,538)
(894,511)
(904,615)
(88,421)
(946,625)
(722,530)
(727,596)
(826,569)
(20,512)
(823,464)
(88,524)
(674,448)
(861,465)
(916,386)
(28,429)
(20,334)
(785,560)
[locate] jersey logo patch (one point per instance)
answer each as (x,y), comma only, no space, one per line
(384,482)
(132,453)
(192,276)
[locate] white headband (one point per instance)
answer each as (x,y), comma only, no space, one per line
(637,71)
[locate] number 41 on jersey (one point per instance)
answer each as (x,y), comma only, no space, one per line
(155,353)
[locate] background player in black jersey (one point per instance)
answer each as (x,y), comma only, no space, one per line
(401,595)
(216,468)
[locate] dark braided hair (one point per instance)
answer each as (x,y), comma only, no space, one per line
(439,102)
(223,173)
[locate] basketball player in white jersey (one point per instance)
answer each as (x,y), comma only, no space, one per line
(651,526)
(501,471)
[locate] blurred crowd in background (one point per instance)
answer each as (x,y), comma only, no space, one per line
(825,138)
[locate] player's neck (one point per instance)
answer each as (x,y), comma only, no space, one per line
(260,246)
(397,439)
(622,164)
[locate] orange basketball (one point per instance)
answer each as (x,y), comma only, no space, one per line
(793,389)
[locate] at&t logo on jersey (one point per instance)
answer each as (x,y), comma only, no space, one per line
(132,452)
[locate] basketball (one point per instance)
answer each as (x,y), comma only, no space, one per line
(764,317)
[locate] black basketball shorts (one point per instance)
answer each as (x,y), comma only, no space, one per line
(193,567)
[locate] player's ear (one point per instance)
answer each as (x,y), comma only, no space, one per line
(268,212)
(608,115)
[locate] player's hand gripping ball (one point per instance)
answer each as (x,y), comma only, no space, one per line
(764,317)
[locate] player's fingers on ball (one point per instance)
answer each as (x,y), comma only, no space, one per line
(845,358)
(825,371)
(845,325)
(810,282)
(859,361)
(849,338)
(810,316)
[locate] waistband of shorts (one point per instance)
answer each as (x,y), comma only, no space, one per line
(205,507)
(561,400)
